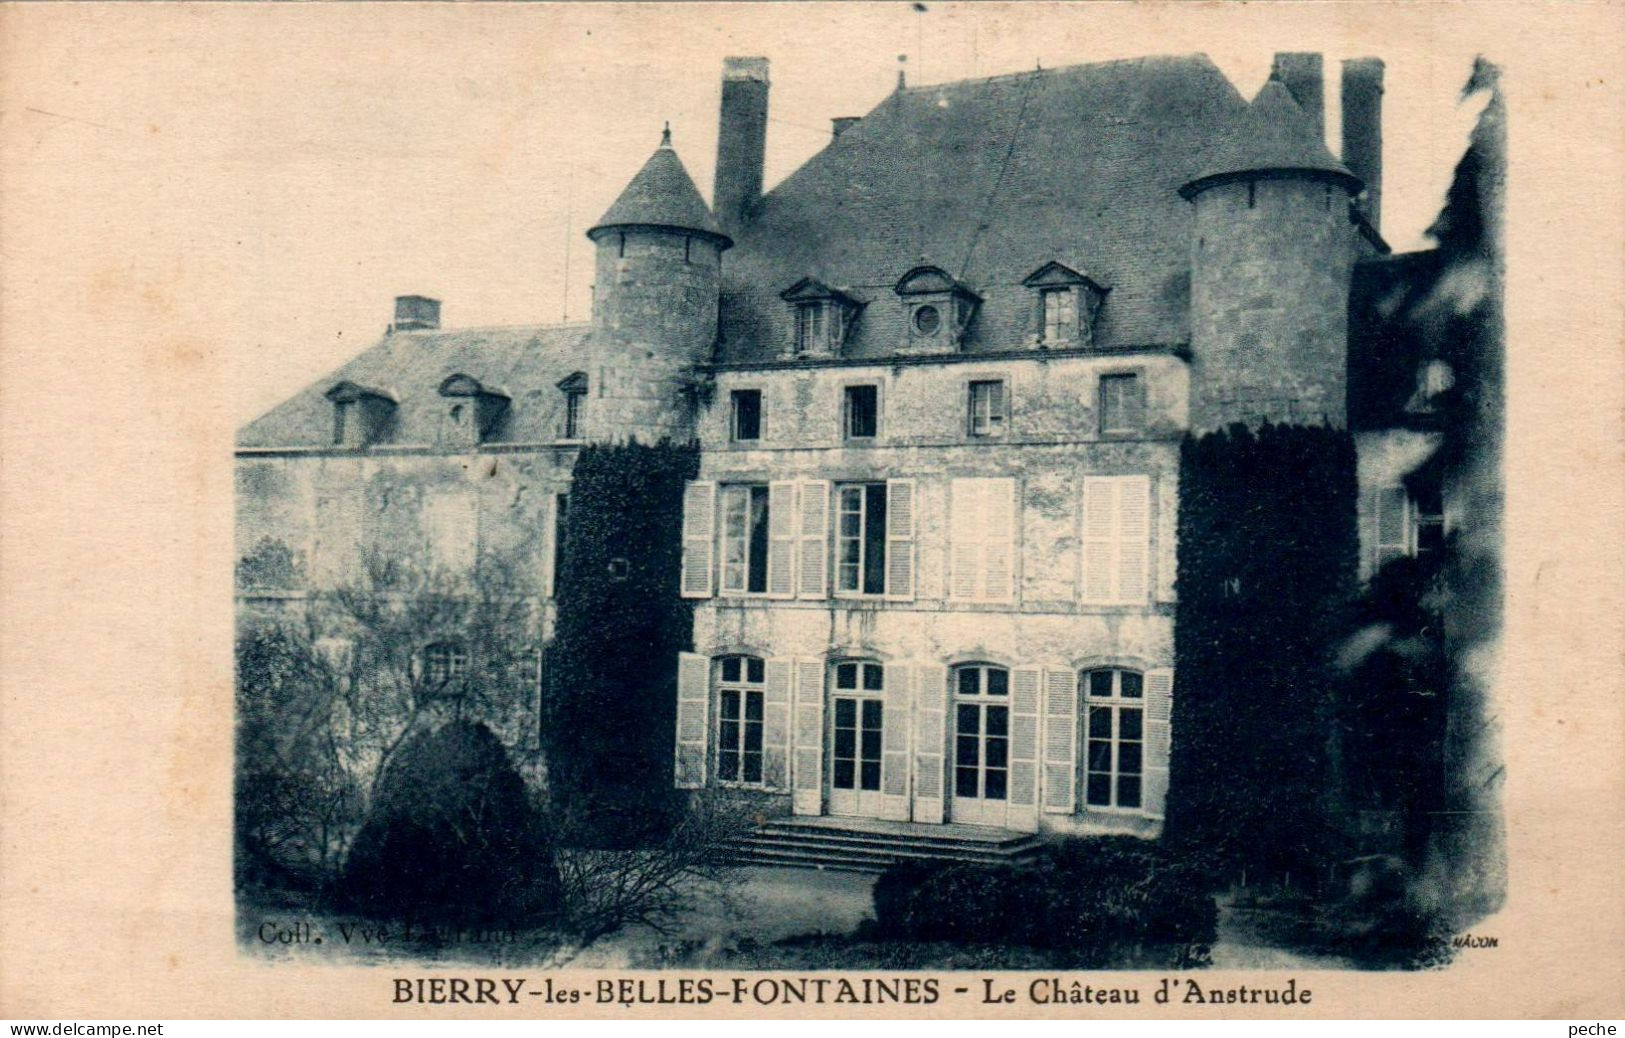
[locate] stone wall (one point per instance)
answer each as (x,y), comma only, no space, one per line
(1269,303)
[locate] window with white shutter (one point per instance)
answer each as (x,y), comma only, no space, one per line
(693,719)
(1060,741)
(900,546)
(699,539)
(812,539)
(982,532)
(807,796)
(781,551)
(1116,540)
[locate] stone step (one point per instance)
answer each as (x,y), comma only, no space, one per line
(841,843)
(917,835)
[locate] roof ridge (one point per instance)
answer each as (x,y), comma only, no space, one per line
(560,325)
(1076,66)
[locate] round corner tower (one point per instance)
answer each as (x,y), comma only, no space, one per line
(655,296)
(1273,250)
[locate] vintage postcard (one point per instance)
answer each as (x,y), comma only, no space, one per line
(896,510)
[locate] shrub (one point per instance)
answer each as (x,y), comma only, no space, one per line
(453,837)
(1109,901)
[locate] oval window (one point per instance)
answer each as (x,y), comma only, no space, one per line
(927,320)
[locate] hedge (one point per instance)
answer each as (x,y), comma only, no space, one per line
(1102,902)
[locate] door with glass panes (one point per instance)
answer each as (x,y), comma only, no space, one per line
(981,743)
(857,708)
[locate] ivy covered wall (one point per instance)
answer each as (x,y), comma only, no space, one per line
(1268,552)
(610,685)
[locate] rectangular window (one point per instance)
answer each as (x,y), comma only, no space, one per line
(862,412)
(987,408)
(747,414)
(1060,314)
(810,331)
(1115,734)
(744,539)
(561,514)
(1429,516)
(739,720)
(860,539)
(342,417)
(1122,404)
(1393,525)
(572,415)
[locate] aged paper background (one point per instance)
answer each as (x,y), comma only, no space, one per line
(118,369)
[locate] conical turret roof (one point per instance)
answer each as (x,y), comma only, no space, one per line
(662,195)
(1272,135)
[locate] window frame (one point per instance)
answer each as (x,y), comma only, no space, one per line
(571,426)
(450,656)
(724,490)
(861,691)
(746,689)
(734,396)
(863,538)
(1115,704)
(982,698)
(1003,424)
(846,411)
(1066,332)
(1132,376)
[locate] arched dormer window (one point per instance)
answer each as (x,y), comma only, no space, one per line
(574,388)
(938,310)
(1065,302)
(823,317)
(361,414)
(444,666)
(472,410)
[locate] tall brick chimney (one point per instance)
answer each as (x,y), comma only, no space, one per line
(741,140)
(1305,79)
(1362,131)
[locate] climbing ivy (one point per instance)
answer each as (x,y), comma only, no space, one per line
(610,686)
(1268,549)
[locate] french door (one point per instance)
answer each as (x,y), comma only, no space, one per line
(981,768)
(857,713)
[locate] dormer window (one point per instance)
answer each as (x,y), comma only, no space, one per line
(939,310)
(361,415)
(574,389)
(823,316)
(472,412)
(1067,300)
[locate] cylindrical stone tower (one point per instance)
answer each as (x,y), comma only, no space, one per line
(1272,252)
(654,313)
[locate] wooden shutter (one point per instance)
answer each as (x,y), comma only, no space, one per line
(900,539)
(813,539)
(930,741)
(965,525)
(1024,696)
(1060,741)
(1167,557)
(693,719)
(781,537)
(1391,509)
(699,539)
(808,747)
(1133,539)
(1159,702)
(999,540)
(1099,537)
(780,675)
(895,720)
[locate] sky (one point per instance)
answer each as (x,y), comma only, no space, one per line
(275,176)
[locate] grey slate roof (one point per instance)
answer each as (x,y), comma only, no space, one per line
(1274,134)
(991,179)
(661,195)
(527,363)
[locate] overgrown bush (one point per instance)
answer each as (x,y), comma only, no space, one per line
(1103,902)
(454,837)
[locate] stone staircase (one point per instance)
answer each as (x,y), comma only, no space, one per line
(870,845)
